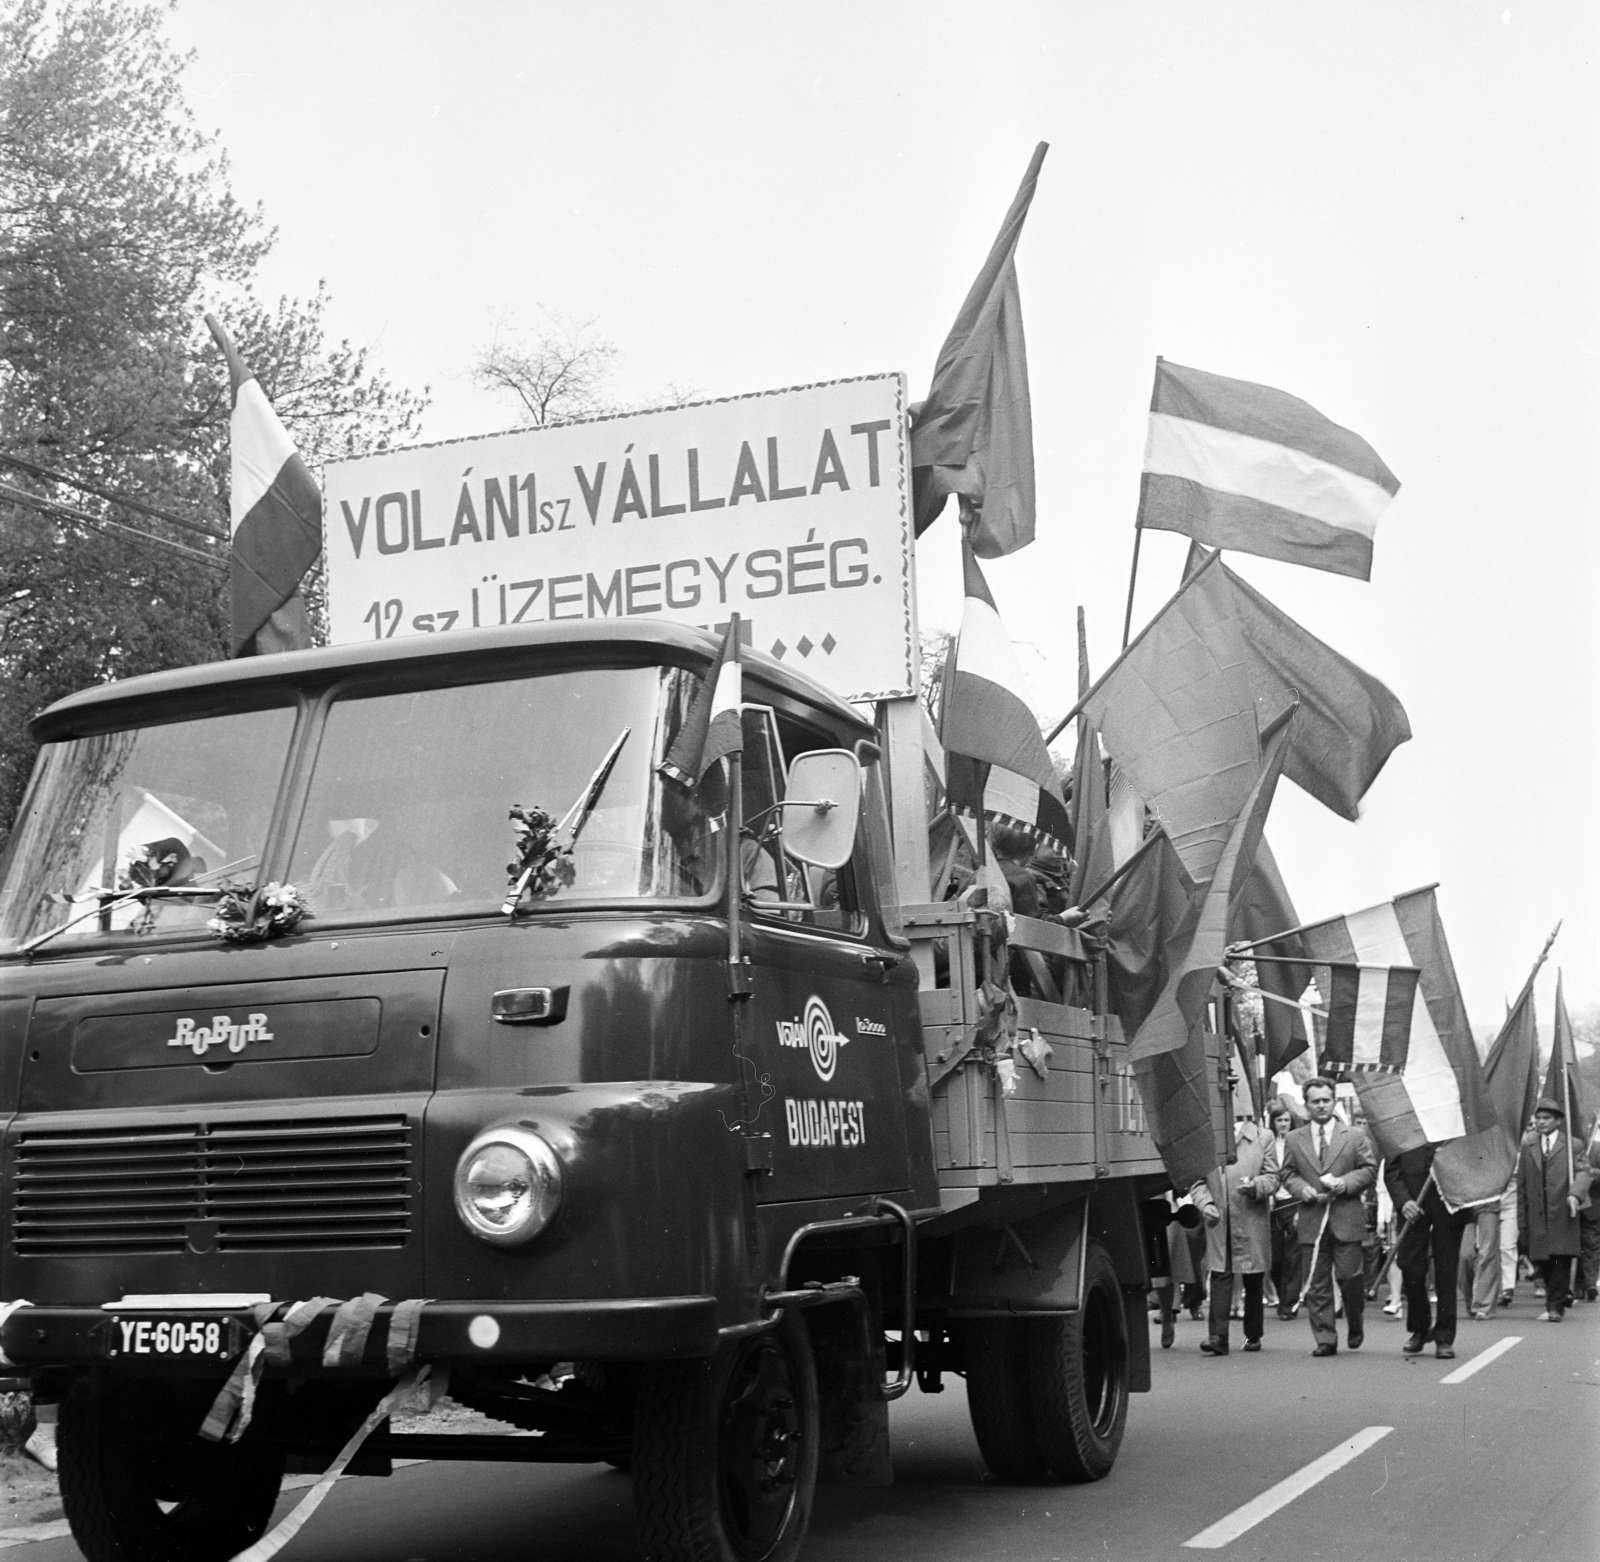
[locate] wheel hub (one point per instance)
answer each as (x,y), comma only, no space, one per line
(761,1441)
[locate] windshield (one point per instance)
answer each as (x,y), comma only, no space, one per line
(410,796)
(183,805)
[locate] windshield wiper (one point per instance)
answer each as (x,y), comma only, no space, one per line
(573,821)
(105,905)
(579,814)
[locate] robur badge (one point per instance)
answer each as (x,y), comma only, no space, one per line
(815,1032)
(221,1032)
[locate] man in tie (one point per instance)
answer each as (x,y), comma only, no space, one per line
(1328,1167)
(1430,1230)
(1552,1187)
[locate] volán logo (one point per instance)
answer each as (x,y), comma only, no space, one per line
(221,1032)
(815,1032)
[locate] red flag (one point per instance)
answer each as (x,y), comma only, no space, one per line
(1562,1080)
(973,436)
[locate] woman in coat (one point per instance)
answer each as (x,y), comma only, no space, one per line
(1236,1203)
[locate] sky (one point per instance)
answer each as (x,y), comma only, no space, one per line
(1391,211)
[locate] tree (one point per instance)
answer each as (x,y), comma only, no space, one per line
(560,375)
(564,373)
(117,230)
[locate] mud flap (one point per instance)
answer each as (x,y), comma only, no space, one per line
(855,1416)
(1135,1306)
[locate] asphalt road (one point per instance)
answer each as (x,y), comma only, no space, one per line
(1502,1467)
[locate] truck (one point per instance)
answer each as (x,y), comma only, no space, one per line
(685,1140)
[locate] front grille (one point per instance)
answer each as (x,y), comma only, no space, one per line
(291,1186)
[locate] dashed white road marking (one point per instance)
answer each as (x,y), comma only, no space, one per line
(1482,1359)
(1285,1492)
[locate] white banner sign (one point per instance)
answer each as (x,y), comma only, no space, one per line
(790,508)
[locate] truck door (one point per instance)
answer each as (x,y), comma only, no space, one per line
(823,1031)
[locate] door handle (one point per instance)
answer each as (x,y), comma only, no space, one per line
(875,960)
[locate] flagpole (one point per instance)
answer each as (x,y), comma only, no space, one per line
(1127,647)
(1122,872)
(1133,576)
(1543,953)
(1233,979)
(1316,1247)
(1567,1091)
(1305,927)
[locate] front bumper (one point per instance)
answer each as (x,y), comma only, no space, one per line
(655,1328)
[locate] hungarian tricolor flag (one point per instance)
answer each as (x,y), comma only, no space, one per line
(983,716)
(275,518)
(1369,1019)
(1243,466)
(1439,1093)
(713,728)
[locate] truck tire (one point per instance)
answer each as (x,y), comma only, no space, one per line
(139,1485)
(999,1399)
(1079,1377)
(725,1451)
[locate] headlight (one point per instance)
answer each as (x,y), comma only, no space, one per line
(508,1186)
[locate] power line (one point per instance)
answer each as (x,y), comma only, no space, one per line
(53,507)
(45,474)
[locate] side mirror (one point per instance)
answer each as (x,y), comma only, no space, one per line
(820,807)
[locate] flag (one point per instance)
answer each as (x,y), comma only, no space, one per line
(1019,801)
(983,714)
(713,729)
(1201,940)
(1148,906)
(1266,909)
(1091,828)
(1440,1094)
(1177,712)
(1369,1018)
(1176,1089)
(973,436)
(1349,722)
(1243,466)
(1478,1167)
(1125,814)
(274,515)
(1562,1080)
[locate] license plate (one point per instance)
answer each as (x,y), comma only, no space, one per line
(195,1337)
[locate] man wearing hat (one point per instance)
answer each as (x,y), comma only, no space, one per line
(1552,1186)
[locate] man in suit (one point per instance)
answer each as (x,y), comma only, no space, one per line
(1430,1230)
(1328,1167)
(1548,1202)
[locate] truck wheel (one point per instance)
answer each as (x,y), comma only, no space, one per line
(1080,1377)
(999,1401)
(139,1485)
(725,1451)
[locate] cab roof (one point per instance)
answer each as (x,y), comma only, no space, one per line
(209,687)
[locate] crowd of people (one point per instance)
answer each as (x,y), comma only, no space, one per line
(1307,1216)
